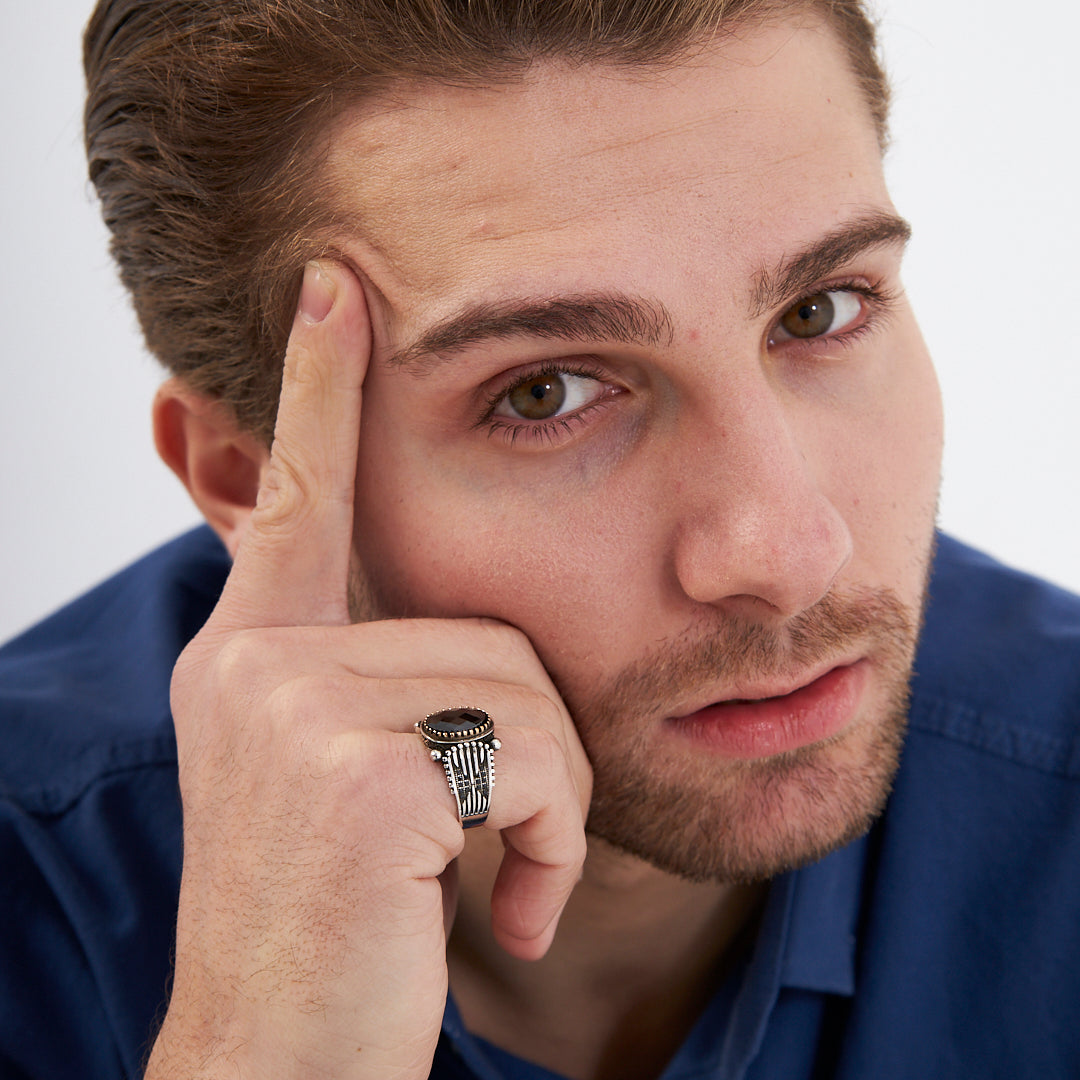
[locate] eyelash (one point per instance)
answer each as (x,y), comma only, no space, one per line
(878,302)
(544,431)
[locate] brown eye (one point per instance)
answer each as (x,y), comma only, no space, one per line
(539,398)
(549,395)
(810,317)
(820,315)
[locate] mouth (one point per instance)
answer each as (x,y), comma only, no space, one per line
(761,726)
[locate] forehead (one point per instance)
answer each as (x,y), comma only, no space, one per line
(687,177)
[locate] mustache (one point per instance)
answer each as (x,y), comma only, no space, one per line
(736,649)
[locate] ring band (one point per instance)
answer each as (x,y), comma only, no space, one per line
(464,741)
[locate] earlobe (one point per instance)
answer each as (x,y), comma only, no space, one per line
(217,461)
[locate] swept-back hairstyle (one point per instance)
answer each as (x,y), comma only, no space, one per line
(202,126)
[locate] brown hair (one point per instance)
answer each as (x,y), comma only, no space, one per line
(202,116)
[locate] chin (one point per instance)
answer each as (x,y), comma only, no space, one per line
(704,816)
(749,821)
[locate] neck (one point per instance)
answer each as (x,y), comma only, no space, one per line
(636,958)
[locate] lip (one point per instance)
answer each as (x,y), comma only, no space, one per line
(760,726)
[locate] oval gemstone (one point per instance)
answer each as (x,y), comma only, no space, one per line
(456,721)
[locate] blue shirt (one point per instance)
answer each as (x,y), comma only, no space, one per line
(946,943)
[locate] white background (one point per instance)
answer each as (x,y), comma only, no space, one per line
(984,164)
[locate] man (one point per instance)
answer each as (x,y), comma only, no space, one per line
(602,416)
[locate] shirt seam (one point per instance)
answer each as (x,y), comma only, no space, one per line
(994,734)
(55,800)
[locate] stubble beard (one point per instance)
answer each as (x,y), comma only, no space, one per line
(708,819)
(702,817)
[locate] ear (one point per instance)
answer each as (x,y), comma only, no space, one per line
(218,462)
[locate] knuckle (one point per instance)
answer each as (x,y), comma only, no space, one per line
(233,681)
(547,715)
(308,714)
(508,646)
(306,377)
(242,659)
(212,675)
(293,707)
(285,496)
(553,713)
(543,750)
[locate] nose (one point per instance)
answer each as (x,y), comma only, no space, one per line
(755,523)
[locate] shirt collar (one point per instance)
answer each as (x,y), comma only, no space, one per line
(825,901)
(806,941)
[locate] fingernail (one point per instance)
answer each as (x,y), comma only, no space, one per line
(316,293)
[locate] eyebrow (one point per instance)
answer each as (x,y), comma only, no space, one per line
(636,320)
(797,273)
(586,317)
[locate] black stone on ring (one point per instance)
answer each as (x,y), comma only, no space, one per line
(463,740)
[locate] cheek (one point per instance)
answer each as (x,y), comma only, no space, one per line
(913,442)
(891,473)
(438,540)
(447,527)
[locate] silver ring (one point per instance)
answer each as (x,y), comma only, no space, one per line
(464,741)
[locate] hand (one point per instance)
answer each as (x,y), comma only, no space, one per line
(316,898)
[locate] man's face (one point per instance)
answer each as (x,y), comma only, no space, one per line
(645,385)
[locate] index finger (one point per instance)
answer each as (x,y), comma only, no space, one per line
(292,565)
